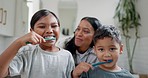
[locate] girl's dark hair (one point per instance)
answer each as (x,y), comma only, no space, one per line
(95,23)
(39,14)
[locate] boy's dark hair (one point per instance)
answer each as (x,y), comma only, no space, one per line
(107,31)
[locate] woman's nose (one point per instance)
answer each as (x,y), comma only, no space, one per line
(79,33)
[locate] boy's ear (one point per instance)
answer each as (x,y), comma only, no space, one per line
(121,48)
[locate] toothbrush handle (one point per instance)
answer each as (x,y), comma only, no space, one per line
(28,42)
(99,63)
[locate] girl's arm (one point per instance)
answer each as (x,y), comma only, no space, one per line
(7,56)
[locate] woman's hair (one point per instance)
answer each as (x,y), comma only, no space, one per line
(39,14)
(95,23)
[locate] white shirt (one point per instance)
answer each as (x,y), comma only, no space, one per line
(33,62)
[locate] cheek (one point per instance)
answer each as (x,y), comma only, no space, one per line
(57,32)
(88,38)
(39,31)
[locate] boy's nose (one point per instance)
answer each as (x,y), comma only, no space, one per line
(107,54)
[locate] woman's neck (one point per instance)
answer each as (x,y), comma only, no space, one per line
(82,49)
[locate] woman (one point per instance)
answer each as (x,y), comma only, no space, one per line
(81,45)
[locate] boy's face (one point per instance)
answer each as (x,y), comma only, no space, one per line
(47,27)
(108,49)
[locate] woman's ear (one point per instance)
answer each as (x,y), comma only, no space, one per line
(31,29)
(121,48)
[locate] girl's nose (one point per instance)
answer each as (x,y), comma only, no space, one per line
(49,30)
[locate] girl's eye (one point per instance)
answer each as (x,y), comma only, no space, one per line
(42,26)
(54,26)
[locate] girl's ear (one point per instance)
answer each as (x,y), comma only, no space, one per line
(121,49)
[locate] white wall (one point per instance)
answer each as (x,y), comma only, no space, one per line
(101,9)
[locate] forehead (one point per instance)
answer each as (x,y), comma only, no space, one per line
(85,24)
(106,41)
(48,19)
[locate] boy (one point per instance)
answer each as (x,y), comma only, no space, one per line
(107,46)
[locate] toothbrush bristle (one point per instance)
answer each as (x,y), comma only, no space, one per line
(109,61)
(50,38)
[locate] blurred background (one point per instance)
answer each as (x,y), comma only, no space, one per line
(15,18)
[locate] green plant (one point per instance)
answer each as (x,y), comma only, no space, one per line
(128,18)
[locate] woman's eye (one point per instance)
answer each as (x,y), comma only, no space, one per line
(85,31)
(77,30)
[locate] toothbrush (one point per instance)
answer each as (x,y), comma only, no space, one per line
(99,63)
(47,38)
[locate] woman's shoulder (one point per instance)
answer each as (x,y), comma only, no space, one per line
(63,40)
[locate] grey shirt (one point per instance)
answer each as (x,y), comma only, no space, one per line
(99,73)
(89,56)
(33,62)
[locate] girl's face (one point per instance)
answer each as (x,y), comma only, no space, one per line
(108,49)
(84,35)
(47,27)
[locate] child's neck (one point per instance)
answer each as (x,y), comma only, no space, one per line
(115,68)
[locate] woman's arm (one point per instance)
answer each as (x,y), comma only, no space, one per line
(82,67)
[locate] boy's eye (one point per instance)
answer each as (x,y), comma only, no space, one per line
(101,50)
(112,49)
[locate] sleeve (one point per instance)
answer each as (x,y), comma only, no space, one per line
(16,65)
(71,66)
(20,62)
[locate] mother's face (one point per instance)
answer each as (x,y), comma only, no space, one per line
(84,35)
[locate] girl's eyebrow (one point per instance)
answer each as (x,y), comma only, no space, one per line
(40,23)
(54,23)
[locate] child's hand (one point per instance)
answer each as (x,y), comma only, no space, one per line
(82,67)
(32,38)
